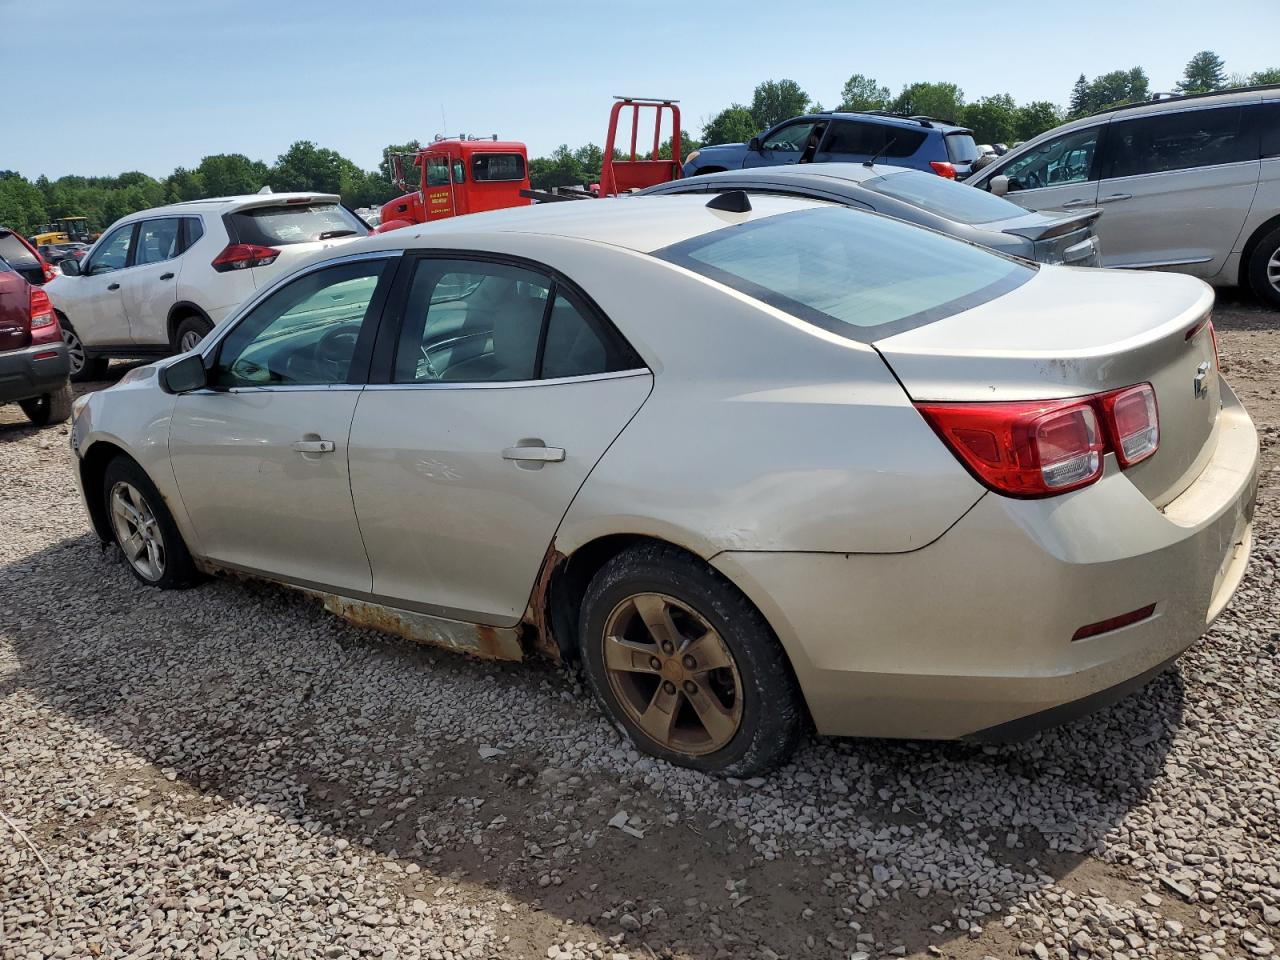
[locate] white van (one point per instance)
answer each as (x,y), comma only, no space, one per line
(1190,184)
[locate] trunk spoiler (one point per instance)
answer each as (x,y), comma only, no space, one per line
(1060,226)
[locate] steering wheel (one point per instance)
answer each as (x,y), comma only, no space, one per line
(335,349)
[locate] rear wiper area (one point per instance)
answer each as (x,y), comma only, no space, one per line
(330,234)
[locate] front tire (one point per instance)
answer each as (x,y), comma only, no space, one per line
(143,528)
(83,367)
(191,330)
(1264,269)
(683,662)
(51,408)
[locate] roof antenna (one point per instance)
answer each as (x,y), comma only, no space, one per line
(731,201)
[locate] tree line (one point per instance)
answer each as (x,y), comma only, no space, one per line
(26,204)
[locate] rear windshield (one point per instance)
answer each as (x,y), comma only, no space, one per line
(961,148)
(15,251)
(294,223)
(862,276)
(497,166)
(945,197)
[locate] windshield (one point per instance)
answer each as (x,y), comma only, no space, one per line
(945,197)
(294,223)
(856,274)
(961,147)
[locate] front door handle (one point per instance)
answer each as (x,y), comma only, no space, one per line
(313,446)
(1072,204)
(538,454)
(166,276)
(1116,196)
(113,286)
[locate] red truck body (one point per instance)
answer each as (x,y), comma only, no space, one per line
(459,176)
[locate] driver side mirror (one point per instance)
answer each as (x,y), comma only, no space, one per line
(185,375)
(999,185)
(70,267)
(754,145)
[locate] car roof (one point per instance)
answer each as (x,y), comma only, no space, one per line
(621,222)
(225,204)
(897,119)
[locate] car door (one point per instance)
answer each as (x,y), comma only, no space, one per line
(507,387)
(784,144)
(95,305)
(150,290)
(261,455)
(1059,174)
(1176,187)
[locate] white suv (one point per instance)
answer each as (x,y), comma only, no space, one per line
(158,280)
(1190,184)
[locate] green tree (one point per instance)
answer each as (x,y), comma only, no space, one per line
(184,184)
(1035,118)
(734,124)
(777,100)
(561,169)
(232,174)
(304,166)
(22,205)
(411,173)
(943,101)
(861,92)
(1117,87)
(1078,106)
(589,159)
(1205,72)
(1269,75)
(992,119)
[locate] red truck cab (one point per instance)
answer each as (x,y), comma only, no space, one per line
(456,177)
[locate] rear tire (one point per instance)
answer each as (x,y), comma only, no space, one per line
(51,408)
(143,528)
(191,330)
(83,366)
(722,697)
(1264,269)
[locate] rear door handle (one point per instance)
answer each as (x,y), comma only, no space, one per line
(313,446)
(1071,204)
(166,276)
(538,454)
(1116,196)
(113,286)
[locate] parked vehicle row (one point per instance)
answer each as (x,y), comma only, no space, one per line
(757,461)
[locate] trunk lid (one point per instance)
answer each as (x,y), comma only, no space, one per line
(15,311)
(1070,333)
(1066,238)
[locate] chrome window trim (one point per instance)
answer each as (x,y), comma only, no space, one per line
(280,388)
(210,343)
(506,384)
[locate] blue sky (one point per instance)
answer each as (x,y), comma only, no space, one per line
(161,84)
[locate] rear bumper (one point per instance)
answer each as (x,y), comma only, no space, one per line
(972,635)
(32,371)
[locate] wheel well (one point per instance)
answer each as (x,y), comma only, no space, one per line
(179,312)
(1252,245)
(93,467)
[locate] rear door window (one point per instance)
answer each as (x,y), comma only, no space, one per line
(286,223)
(1268,119)
(1179,140)
(497,166)
(945,197)
(863,277)
(194,231)
(157,240)
(870,139)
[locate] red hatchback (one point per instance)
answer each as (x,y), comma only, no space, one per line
(33,358)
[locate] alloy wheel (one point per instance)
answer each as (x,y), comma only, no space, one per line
(190,340)
(75,351)
(672,674)
(137,531)
(1273,270)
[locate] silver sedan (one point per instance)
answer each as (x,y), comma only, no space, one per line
(756,463)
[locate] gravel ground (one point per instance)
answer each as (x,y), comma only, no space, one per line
(230,772)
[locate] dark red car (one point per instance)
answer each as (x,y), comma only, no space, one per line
(33,358)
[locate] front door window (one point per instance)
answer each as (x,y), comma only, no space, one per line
(1063,160)
(113,252)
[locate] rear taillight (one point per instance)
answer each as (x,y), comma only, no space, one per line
(44,323)
(46,270)
(943,168)
(241,256)
(1133,422)
(1040,448)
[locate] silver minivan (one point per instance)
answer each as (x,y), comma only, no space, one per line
(1190,184)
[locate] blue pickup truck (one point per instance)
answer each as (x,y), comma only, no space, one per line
(920,142)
